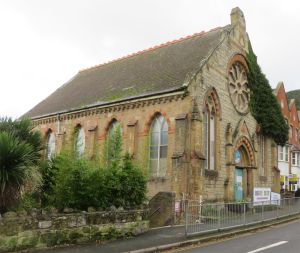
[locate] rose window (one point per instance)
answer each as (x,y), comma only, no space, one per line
(238,87)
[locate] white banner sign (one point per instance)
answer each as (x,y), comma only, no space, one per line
(275,198)
(261,195)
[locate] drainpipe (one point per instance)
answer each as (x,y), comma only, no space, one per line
(188,149)
(58,124)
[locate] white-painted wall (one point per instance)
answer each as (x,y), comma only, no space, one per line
(284,171)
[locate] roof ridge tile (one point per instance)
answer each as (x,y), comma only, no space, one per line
(150,49)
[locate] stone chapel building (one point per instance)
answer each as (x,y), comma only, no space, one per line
(183,110)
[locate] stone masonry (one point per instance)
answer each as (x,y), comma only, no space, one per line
(186,176)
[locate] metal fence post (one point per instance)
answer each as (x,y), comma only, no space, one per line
(277,209)
(186,204)
(244,215)
(289,206)
(262,211)
(219,217)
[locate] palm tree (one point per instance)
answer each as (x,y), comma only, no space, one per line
(19,156)
(23,130)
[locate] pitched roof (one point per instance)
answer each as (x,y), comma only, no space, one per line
(159,69)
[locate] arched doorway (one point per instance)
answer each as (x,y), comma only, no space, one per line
(243,174)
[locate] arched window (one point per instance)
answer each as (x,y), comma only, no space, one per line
(206,136)
(212,141)
(209,133)
(50,150)
(79,141)
(158,146)
(114,141)
(114,125)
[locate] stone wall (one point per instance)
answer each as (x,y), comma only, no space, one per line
(42,229)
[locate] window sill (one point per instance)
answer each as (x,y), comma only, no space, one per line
(211,174)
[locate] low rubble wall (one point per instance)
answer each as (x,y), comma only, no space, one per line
(43,229)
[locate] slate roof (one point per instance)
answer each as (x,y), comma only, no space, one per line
(160,69)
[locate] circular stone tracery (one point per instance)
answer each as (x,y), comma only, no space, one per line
(238,87)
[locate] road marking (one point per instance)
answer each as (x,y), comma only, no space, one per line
(268,247)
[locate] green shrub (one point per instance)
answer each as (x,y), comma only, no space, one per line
(75,183)
(28,201)
(79,183)
(48,172)
(134,183)
(112,153)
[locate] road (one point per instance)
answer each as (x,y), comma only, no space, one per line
(280,239)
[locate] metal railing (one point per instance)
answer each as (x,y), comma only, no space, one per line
(203,218)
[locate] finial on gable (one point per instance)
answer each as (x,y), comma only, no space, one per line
(237,18)
(239,24)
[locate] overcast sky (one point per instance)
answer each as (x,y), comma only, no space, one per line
(43,43)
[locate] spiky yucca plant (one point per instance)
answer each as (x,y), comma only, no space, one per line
(19,155)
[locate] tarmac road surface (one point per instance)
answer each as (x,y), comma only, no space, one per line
(280,239)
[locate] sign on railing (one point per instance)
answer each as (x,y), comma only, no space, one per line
(275,198)
(261,195)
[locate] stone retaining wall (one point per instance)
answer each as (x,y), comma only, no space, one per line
(42,229)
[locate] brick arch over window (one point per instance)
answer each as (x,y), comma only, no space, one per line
(110,122)
(212,102)
(46,134)
(237,58)
(244,144)
(152,116)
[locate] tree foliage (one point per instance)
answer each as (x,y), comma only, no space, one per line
(19,156)
(76,183)
(263,104)
(113,146)
(72,181)
(294,94)
(80,183)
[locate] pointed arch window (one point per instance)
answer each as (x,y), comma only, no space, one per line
(50,151)
(209,134)
(262,155)
(114,125)
(114,141)
(80,141)
(158,146)
(206,136)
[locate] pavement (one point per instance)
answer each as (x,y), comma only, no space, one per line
(157,240)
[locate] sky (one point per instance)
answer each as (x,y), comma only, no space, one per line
(44,43)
